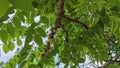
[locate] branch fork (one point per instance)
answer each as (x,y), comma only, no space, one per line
(58,24)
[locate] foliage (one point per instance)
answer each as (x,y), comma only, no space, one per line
(76,28)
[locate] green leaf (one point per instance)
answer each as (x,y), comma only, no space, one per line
(41,32)
(22,64)
(5,48)
(33,66)
(11,29)
(22,31)
(25,49)
(1,24)
(4,6)
(64,60)
(115,8)
(101,19)
(10,10)
(28,39)
(113,66)
(17,33)
(19,42)
(30,30)
(44,19)
(11,46)
(33,25)
(5,17)
(1,63)
(21,16)
(3,36)
(114,2)
(16,58)
(16,22)
(81,60)
(35,4)
(24,53)
(12,63)
(8,65)
(38,39)
(22,57)
(114,26)
(30,18)
(24,5)
(66,66)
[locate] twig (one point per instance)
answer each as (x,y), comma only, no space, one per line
(112,61)
(76,21)
(66,32)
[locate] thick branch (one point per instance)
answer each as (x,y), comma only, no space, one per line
(59,17)
(57,23)
(76,21)
(60,14)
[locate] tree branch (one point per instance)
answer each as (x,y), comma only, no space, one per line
(57,23)
(66,32)
(76,21)
(112,61)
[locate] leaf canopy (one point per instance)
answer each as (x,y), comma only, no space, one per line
(68,29)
